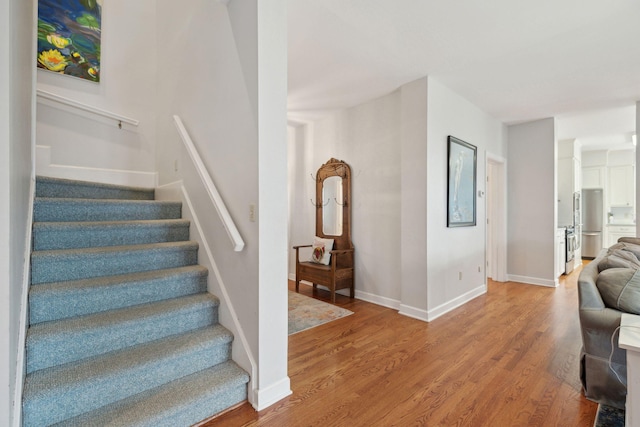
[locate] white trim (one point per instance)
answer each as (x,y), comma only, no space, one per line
(361,295)
(499,267)
(24,313)
(44,167)
(44,96)
(413,312)
(377,299)
(455,303)
(214,195)
(533,280)
(263,398)
(241,352)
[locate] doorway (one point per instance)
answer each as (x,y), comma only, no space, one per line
(496,232)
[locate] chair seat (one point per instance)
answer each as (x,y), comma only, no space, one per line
(315,265)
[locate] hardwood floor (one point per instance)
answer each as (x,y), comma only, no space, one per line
(507,358)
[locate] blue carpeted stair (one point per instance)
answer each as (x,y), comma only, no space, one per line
(122,330)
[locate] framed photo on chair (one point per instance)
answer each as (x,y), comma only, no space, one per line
(461,183)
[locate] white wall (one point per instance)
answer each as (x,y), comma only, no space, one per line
(16,168)
(406,257)
(127,87)
(239,130)
(301,192)
(637,174)
(532,196)
(367,137)
(413,220)
(456,256)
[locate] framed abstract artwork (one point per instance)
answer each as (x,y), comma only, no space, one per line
(69,37)
(461,185)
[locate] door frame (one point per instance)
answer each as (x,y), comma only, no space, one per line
(496,209)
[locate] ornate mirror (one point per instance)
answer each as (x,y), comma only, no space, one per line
(333,199)
(333,222)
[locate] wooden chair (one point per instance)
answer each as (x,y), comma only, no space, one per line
(333,221)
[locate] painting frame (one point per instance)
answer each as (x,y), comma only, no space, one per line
(69,38)
(461,183)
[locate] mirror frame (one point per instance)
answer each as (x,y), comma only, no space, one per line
(335,167)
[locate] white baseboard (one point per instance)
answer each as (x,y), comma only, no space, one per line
(416,313)
(455,303)
(44,167)
(24,314)
(377,299)
(169,192)
(533,280)
(263,398)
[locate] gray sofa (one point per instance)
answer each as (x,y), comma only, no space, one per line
(607,287)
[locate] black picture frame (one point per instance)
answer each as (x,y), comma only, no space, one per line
(461,183)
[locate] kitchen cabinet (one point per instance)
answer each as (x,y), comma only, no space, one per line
(593,177)
(614,232)
(621,186)
(568,184)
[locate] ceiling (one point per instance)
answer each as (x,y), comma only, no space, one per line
(577,60)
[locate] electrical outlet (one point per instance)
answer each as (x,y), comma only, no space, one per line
(460,275)
(175,165)
(479,269)
(252,212)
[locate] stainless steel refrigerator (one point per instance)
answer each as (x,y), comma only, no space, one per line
(592,222)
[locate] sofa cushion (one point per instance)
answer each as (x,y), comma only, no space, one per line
(634,240)
(618,258)
(627,246)
(620,289)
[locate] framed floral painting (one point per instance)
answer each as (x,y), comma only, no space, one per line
(69,37)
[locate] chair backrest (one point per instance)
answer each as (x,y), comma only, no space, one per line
(333,203)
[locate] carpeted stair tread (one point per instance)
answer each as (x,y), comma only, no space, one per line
(63,341)
(74,264)
(54,394)
(59,187)
(122,329)
(86,234)
(68,209)
(53,301)
(182,402)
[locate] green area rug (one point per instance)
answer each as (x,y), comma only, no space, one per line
(306,313)
(609,416)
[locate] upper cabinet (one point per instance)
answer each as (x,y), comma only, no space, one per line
(622,189)
(568,180)
(593,177)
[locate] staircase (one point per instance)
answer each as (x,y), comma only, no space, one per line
(122,330)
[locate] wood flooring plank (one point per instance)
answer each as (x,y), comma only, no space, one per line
(509,357)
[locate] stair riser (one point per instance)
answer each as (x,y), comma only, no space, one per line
(66,303)
(55,188)
(87,237)
(75,266)
(54,210)
(47,408)
(68,346)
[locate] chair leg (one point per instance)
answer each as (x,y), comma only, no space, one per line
(297,285)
